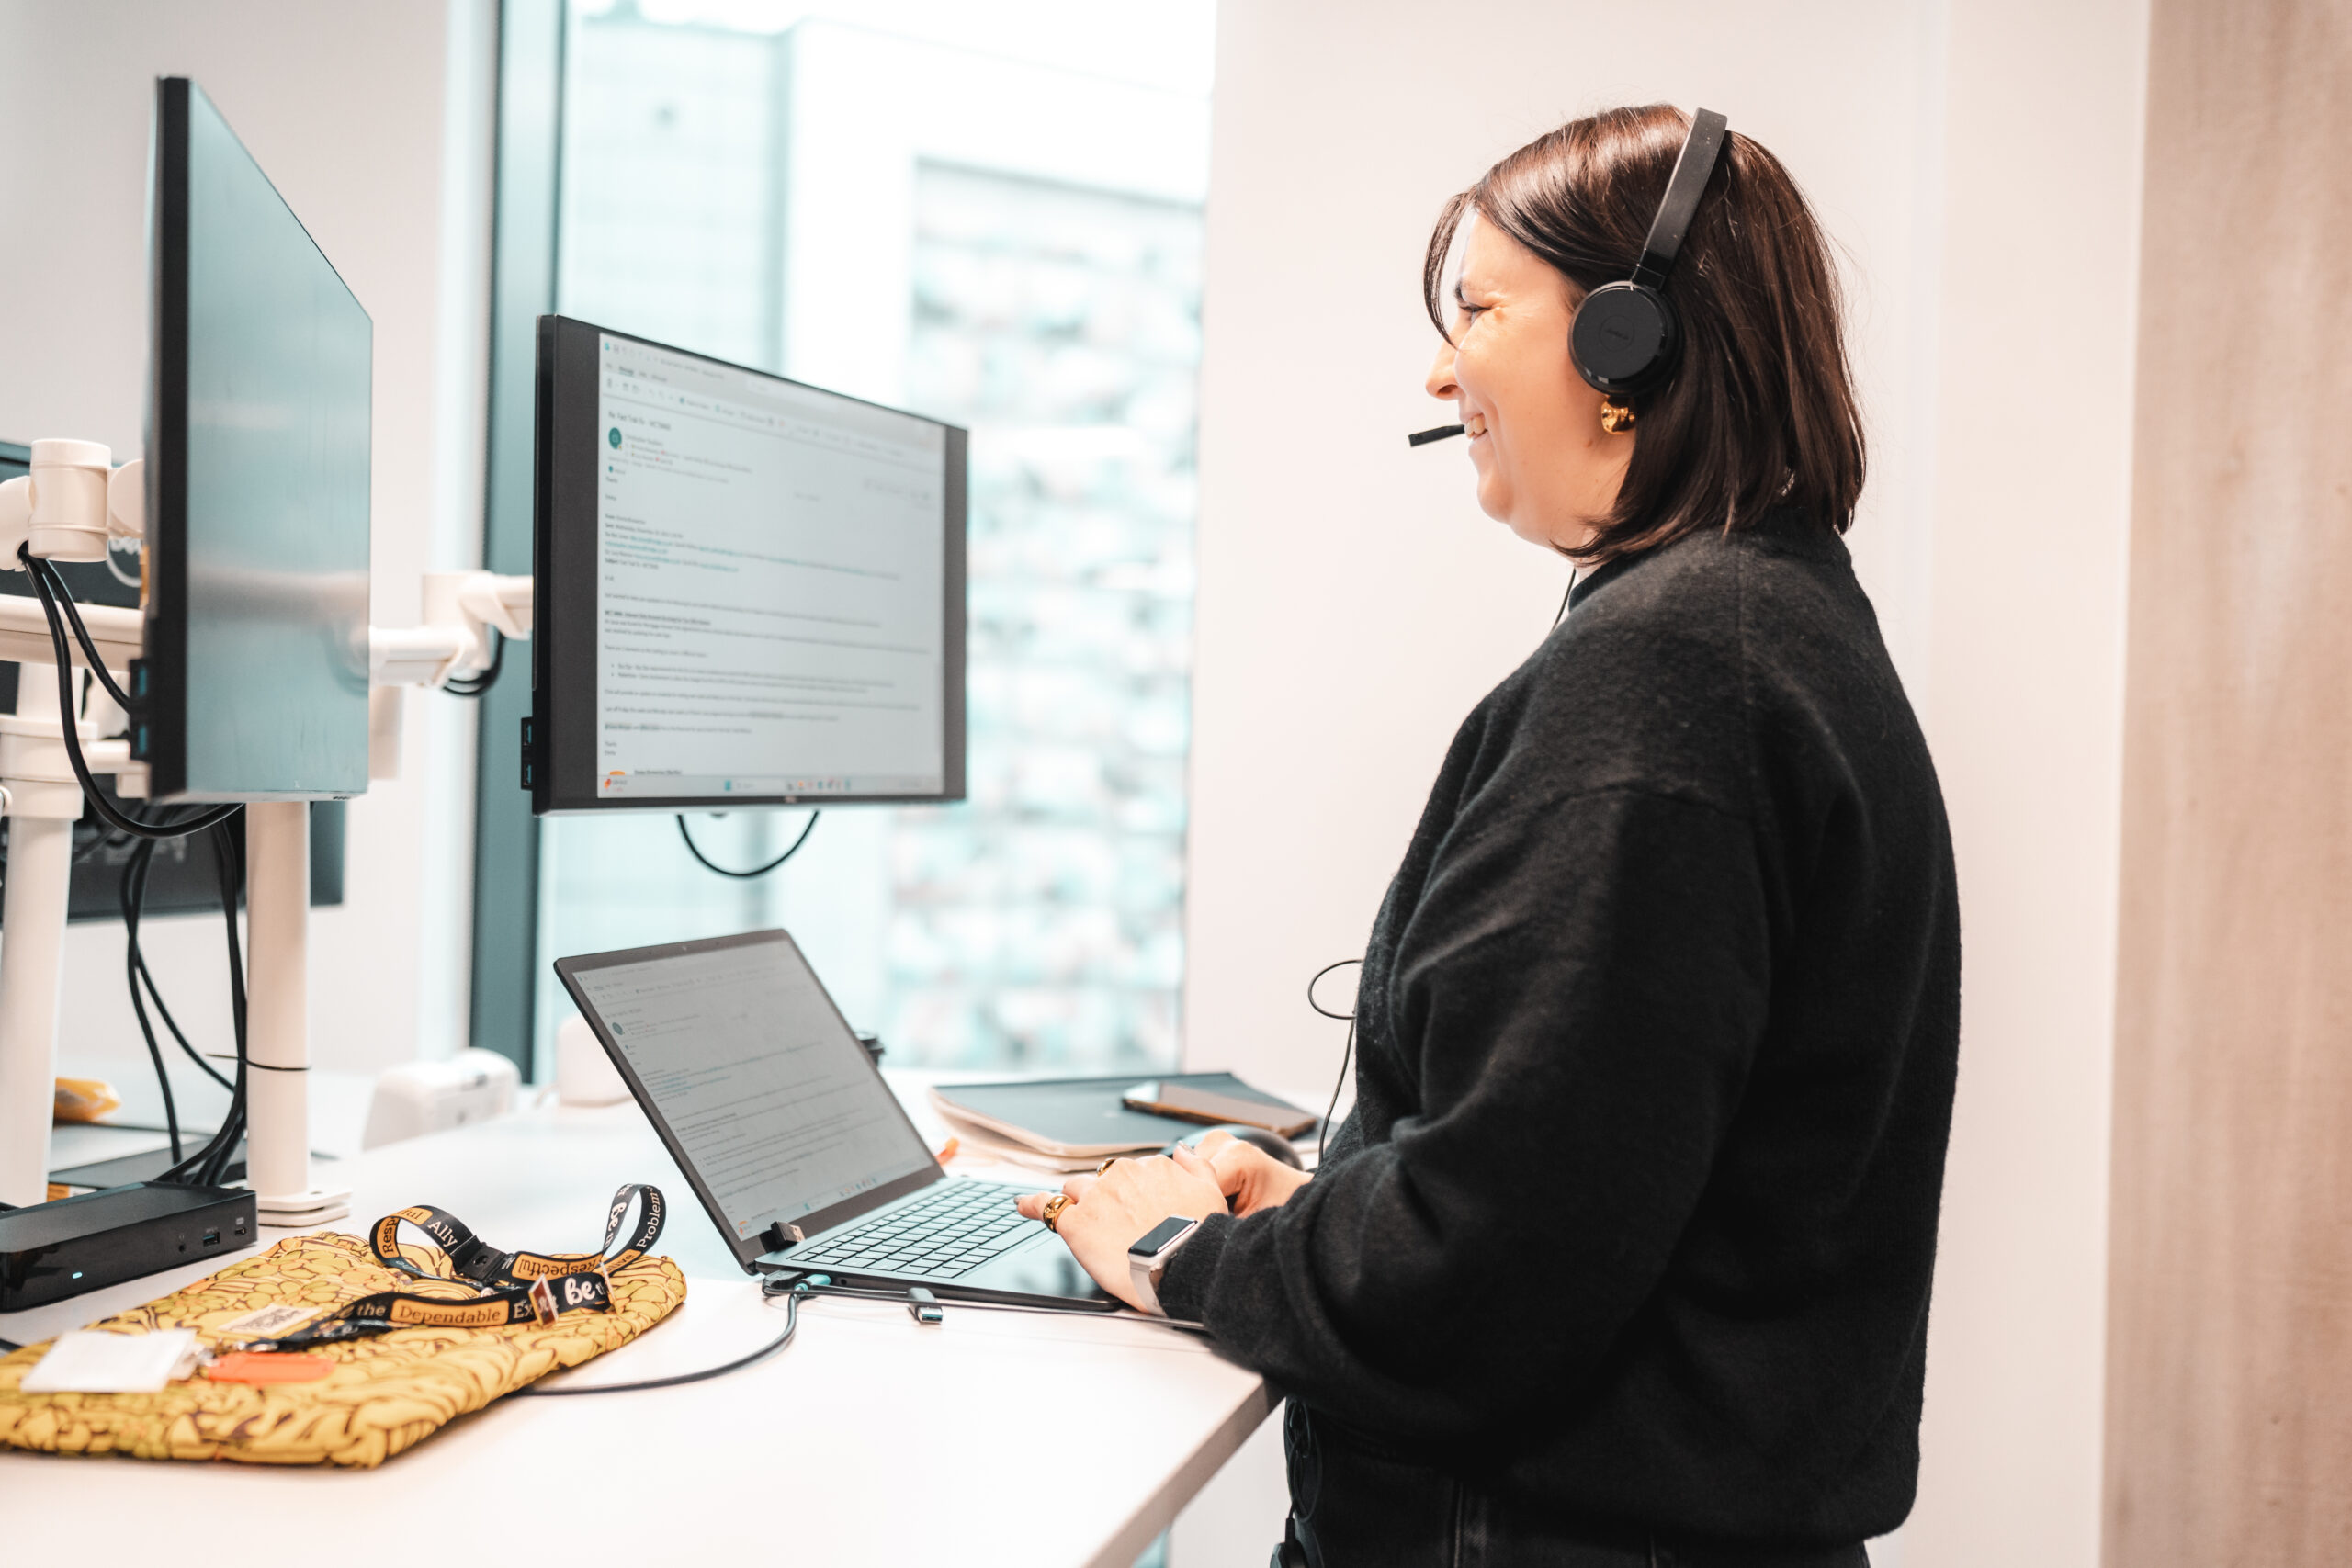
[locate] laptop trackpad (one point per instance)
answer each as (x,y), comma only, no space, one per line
(1045,1268)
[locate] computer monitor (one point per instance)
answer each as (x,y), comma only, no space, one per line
(182,879)
(254,683)
(750,592)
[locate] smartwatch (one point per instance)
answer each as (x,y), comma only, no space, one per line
(1147,1259)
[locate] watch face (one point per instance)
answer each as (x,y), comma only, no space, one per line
(1161,1235)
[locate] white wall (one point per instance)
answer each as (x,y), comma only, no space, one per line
(373,122)
(2024,702)
(1354,603)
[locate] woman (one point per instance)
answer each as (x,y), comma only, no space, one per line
(1623,1256)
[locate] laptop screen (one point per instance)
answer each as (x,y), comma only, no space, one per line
(766,1090)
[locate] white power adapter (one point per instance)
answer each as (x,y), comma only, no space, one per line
(432,1097)
(583,1074)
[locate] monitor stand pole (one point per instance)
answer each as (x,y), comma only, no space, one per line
(277,1020)
(42,804)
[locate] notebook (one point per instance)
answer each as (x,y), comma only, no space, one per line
(1081,1119)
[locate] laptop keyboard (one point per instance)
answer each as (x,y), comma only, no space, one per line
(952,1232)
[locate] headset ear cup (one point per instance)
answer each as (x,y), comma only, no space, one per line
(1624,338)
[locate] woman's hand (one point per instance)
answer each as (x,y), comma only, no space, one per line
(1111,1211)
(1250,1177)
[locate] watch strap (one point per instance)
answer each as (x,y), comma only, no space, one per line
(1144,1270)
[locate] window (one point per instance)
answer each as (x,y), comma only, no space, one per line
(1012,244)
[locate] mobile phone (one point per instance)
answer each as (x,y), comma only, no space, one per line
(1190,1103)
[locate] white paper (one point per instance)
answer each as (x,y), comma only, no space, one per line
(90,1362)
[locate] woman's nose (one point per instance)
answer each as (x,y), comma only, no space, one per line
(1440,379)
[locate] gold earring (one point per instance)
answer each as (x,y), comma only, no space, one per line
(1615,417)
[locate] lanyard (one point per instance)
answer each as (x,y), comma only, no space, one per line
(478,1263)
(511,1287)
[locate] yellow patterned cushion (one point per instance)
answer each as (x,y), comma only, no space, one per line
(387,1393)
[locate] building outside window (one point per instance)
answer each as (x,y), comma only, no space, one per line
(1013,246)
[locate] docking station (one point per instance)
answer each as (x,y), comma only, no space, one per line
(52,1251)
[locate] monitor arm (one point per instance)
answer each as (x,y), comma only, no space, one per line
(461,609)
(70,508)
(73,506)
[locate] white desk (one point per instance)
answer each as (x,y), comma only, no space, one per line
(995,1438)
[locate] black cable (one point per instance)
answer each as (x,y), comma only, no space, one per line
(231,863)
(474,685)
(138,955)
(856,1293)
(208,1166)
(756,870)
(1575,575)
(102,840)
(46,568)
(132,894)
(791,1326)
(66,708)
(155,995)
(7,1345)
(1347,1054)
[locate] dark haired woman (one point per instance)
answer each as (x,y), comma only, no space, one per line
(1623,1256)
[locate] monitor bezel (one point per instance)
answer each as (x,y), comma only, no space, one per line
(749,1249)
(560,759)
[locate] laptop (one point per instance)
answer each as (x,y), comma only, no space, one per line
(783,1126)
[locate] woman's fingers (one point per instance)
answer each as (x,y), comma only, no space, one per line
(1197,1165)
(1237,1163)
(1031,1205)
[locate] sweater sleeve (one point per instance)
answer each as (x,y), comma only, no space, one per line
(1579,994)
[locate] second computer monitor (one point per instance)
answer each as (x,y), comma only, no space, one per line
(254,683)
(750,592)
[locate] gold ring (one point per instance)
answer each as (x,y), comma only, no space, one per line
(1053,1211)
(1104,1168)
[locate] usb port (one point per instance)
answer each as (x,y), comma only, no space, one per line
(212,1238)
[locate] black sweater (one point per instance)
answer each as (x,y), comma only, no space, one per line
(1634,1218)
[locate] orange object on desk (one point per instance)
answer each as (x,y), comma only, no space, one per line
(258,1366)
(85,1100)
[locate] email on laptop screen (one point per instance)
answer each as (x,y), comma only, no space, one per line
(770,1094)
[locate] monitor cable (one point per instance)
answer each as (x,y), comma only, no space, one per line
(106,809)
(210,1165)
(132,897)
(154,993)
(480,680)
(44,573)
(756,870)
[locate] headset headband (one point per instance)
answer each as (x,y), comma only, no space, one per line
(1693,169)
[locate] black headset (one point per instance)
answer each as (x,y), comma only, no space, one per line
(1625,338)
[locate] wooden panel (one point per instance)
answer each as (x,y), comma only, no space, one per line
(2229,1403)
